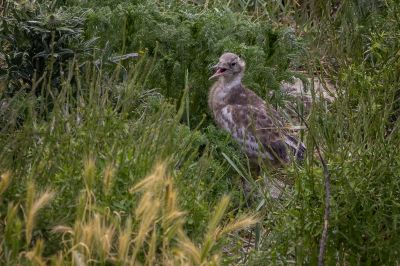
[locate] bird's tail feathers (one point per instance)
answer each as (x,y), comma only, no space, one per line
(296,146)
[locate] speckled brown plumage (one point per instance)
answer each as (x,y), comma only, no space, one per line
(256,126)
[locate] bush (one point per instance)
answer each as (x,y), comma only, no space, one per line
(37,43)
(183,37)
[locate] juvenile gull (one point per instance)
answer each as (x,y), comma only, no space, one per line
(251,121)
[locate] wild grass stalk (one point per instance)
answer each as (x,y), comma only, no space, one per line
(125,240)
(35,255)
(158,221)
(108,177)
(13,228)
(5,180)
(33,204)
(89,172)
(210,236)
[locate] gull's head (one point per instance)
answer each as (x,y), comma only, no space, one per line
(229,67)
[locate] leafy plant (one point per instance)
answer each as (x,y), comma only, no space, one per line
(37,43)
(184,37)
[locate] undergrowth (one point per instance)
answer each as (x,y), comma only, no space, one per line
(112,158)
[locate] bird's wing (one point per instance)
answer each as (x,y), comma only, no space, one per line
(260,133)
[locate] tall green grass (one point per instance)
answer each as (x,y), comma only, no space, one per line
(358,134)
(67,178)
(73,188)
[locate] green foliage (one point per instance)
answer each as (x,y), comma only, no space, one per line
(118,135)
(37,42)
(359,136)
(108,126)
(184,37)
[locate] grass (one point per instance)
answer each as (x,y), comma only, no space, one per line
(118,162)
(86,158)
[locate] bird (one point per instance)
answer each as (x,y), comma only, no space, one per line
(255,125)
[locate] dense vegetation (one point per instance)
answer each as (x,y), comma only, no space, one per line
(108,154)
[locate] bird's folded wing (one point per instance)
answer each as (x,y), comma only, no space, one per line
(260,132)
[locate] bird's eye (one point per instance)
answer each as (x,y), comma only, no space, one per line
(233,64)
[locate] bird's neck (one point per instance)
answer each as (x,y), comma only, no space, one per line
(223,89)
(228,84)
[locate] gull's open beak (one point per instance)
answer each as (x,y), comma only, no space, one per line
(218,71)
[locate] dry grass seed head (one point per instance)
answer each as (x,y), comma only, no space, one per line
(172,217)
(109,172)
(58,260)
(33,207)
(188,247)
(89,171)
(35,255)
(147,219)
(5,180)
(102,235)
(153,181)
(151,255)
(124,240)
(218,214)
(83,237)
(239,224)
(11,215)
(62,229)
